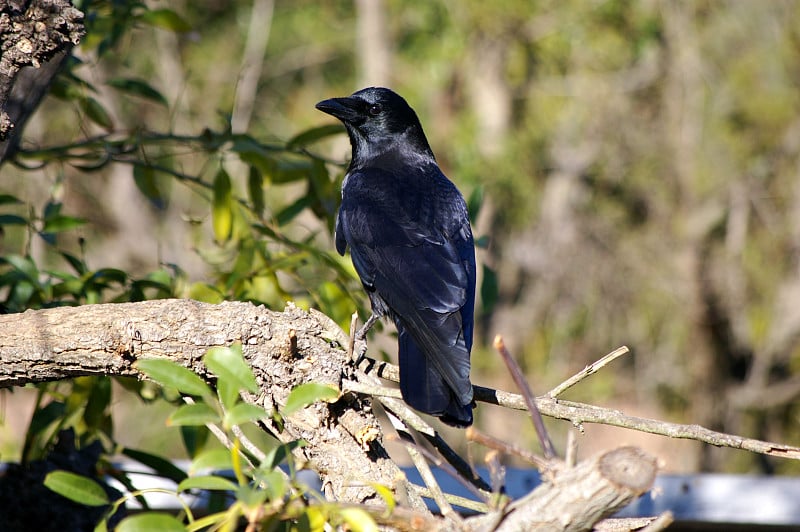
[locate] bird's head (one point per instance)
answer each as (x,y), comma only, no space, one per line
(377,120)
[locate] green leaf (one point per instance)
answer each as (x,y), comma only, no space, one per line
(96,112)
(358,520)
(386,494)
(289,213)
(312,135)
(289,170)
(76,488)
(228,364)
(165,19)
(206,293)
(12,219)
(150,522)
(160,465)
(77,264)
(8,199)
(474,203)
(214,459)
(222,206)
(194,439)
(274,482)
(243,413)
(23,265)
(168,373)
(228,393)
(279,453)
(489,289)
(305,394)
(196,414)
(255,187)
(56,224)
(97,413)
(146,180)
(108,275)
(251,497)
(207,482)
(139,88)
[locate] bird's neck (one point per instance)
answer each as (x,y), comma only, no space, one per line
(410,147)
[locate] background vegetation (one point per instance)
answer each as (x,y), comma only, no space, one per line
(637,163)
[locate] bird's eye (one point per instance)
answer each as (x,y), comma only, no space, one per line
(375,109)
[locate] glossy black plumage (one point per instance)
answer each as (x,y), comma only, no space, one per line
(410,240)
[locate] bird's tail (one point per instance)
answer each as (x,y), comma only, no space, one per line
(423,387)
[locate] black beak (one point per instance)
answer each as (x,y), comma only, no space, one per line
(345,109)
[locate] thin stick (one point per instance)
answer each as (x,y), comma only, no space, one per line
(578,413)
(571,455)
(403,412)
(424,469)
(469,504)
(527,394)
(352,345)
(477,436)
(496,471)
(446,467)
(588,370)
(249,446)
(660,523)
(368,389)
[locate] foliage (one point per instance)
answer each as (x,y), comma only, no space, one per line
(264,492)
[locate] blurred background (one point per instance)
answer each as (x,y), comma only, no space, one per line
(633,168)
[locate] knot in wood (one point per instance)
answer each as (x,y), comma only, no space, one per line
(629,467)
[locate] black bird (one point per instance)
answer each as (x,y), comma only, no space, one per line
(411,244)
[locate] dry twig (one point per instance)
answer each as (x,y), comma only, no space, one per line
(527,394)
(579,413)
(592,368)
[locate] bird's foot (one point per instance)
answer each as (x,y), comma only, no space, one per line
(358,341)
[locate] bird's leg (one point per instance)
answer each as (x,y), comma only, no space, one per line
(361,338)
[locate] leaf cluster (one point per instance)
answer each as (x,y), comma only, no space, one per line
(260,489)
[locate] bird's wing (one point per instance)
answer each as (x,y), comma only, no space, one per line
(424,273)
(426,287)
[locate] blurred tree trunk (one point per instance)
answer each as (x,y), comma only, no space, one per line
(373,44)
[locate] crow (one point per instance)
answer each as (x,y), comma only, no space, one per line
(411,244)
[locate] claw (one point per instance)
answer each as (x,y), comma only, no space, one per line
(360,337)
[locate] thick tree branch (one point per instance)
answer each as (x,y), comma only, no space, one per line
(60,343)
(286,349)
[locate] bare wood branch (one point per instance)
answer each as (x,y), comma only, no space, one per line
(475,435)
(527,395)
(660,523)
(592,368)
(424,469)
(576,498)
(578,413)
(642,524)
(447,468)
(469,504)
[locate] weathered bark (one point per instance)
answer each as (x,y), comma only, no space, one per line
(577,498)
(286,349)
(37,34)
(60,343)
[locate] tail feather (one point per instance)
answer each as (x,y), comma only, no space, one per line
(423,387)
